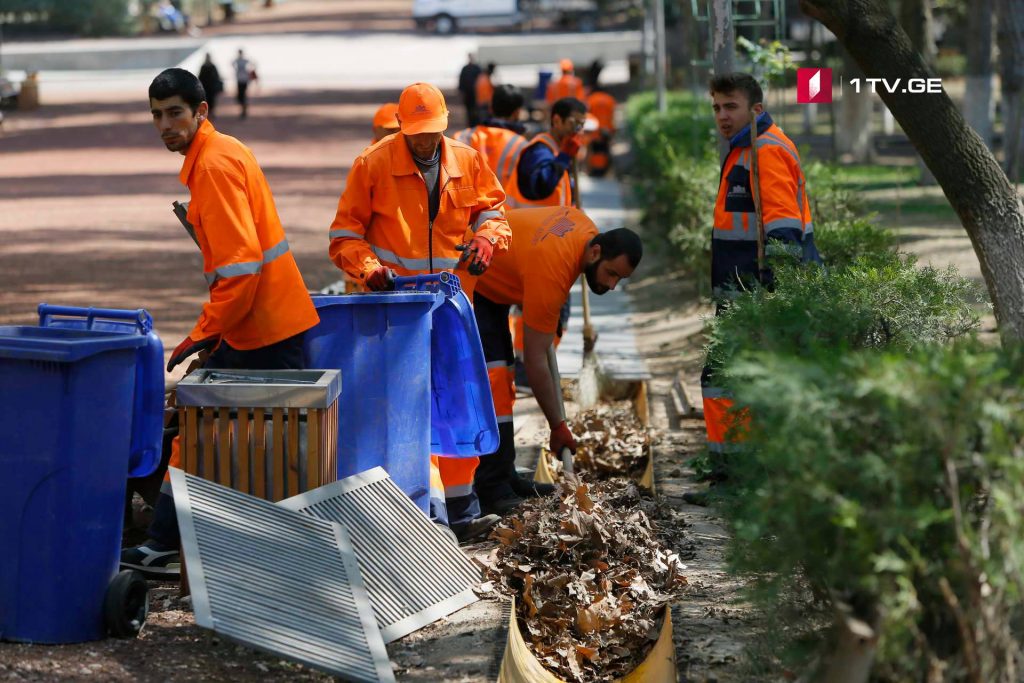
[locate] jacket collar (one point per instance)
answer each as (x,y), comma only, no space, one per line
(742,139)
(402,162)
(513,126)
(203,133)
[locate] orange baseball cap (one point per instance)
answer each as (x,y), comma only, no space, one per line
(566,65)
(421,109)
(385,116)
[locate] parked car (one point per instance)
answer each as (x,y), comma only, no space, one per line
(448,16)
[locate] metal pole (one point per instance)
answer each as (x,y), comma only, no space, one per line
(659,53)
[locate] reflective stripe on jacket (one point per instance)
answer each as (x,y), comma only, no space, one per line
(383,217)
(501,148)
(257,296)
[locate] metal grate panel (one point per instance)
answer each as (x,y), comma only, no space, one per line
(412,571)
(277,580)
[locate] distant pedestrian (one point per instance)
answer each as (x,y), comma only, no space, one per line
(209,76)
(485,91)
(245,73)
(467,88)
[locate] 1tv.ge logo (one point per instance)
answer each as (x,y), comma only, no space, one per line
(814,86)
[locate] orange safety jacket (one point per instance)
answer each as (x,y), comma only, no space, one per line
(501,148)
(566,86)
(257,296)
(784,207)
(484,90)
(562,196)
(602,106)
(383,216)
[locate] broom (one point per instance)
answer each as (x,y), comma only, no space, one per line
(588,389)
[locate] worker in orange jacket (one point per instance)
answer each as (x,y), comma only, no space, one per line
(385,122)
(259,307)
(409,203)
(568,85)
(601,105)
(551,248)
(485,91)
(780,189)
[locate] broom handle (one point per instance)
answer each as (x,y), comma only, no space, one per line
(566,454)
(755,186)
(583,281)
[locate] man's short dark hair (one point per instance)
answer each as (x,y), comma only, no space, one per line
(730,83)
(171,82)
(566,107)
(619,241)
(506,100)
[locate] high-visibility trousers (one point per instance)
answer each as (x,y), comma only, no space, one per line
(725,428)
(496,471)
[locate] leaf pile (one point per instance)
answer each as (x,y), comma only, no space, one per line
(611,442)
(590,578)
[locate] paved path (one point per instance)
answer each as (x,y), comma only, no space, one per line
(611,313)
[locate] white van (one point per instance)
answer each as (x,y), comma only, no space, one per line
(448,16)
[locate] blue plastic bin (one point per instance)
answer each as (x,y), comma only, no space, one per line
(414,379)
(65,437)
(148,405)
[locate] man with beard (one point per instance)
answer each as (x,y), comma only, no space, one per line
(551,248)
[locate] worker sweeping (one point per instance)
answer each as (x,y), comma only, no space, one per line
(551,248)
(259,307)
(385,121)
(418,202)
(762,208)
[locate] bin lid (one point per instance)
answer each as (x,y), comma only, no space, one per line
(462,420)
(372,298)
(61,345)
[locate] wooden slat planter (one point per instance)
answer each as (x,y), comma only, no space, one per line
(268,433)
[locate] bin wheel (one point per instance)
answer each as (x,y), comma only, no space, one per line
(126,604)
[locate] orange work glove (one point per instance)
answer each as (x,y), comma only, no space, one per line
(571,145)
(479,253)
(188,346)
(380,279)
(561,438)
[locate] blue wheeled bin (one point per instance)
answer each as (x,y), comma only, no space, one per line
(148,405)
(66,404)
(414,380)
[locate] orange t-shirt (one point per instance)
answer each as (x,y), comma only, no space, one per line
(544,261)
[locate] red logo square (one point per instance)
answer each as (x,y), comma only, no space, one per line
(813,86)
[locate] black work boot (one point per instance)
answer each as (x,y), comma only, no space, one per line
(476,528)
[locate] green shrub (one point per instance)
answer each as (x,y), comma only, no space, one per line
(879,302)
(843,242)
(892,483)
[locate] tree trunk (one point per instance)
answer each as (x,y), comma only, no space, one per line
(854,135)
(978,98)
(1011,74)
(723,49)
(975,185)
(916,17)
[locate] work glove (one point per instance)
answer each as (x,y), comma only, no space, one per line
(479,253)
(571,145)
(380,279)
(561,438)
(188,346)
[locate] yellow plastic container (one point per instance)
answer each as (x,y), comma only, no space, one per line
(520,666)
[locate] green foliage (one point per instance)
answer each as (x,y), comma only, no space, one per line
(843,242)
(80,17)
(893,483)
(770,60)
(881,300)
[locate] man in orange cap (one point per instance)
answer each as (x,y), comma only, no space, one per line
(384,228)
(385,122)
(569,85)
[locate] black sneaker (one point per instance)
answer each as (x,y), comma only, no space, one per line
(476,528)
(153,562)
(525,488)
(501,506)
